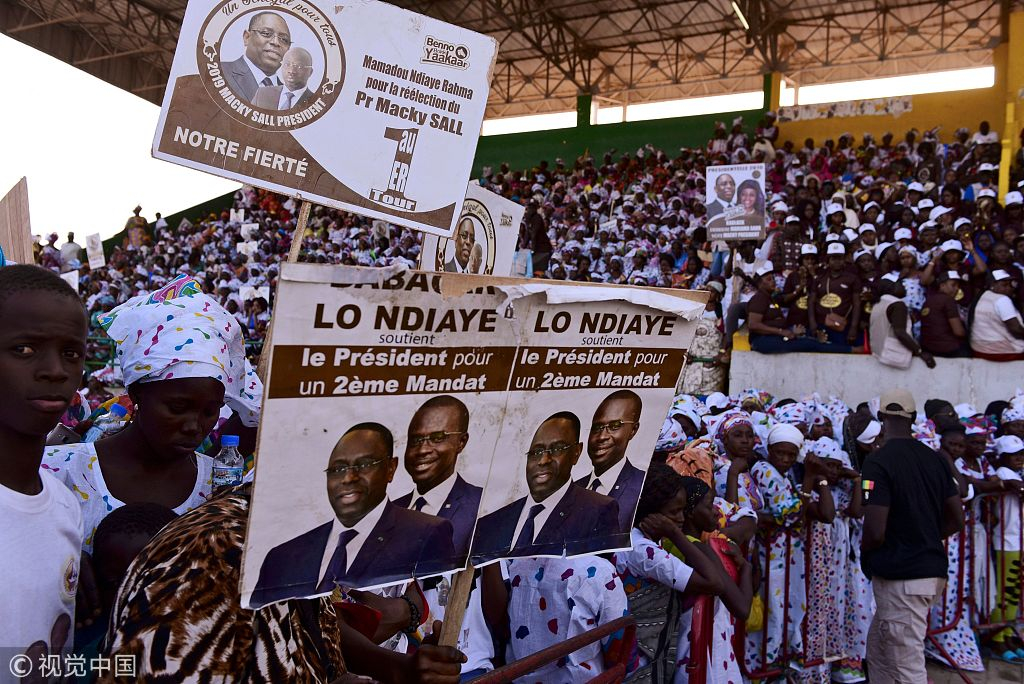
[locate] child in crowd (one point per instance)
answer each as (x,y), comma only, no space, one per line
(1006,541)
(656,582)
(706,652)
(42,354)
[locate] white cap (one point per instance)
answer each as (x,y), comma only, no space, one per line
(836,248)
(850,234)
(962,221)
(951,246)
(880,249)
(1000,274)
(903,234)
(915,187)
(833,237)
(808,249)
(1009,444)
(871,204)
(987,167)
(861,252)
(953,275)
(792,219)
(927,225)
(865,227)
(780,206)
(870,432)
(925,204)
(986,192)
(1013,197)
(937,212)
(766,267)
(891,277)
(834,208)
(716,400)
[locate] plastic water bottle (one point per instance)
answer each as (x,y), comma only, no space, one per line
(228,464)
(108,423)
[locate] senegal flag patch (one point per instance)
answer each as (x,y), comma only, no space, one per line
(867,486)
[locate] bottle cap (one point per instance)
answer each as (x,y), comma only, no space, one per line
(229,440)
(118,410)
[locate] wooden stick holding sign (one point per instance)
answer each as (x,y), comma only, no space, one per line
(455,611)
(293,256)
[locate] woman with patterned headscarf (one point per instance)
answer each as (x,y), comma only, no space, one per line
(736,441)
(781,545)
(183,359)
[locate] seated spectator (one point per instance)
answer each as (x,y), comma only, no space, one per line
(997,333)
(892,343)
(942,330)
(769,333)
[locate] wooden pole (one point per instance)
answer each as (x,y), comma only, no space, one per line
(455,611)
(293,256)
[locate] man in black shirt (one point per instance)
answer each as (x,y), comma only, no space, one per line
(912,504)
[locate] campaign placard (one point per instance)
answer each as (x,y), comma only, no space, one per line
(353,104)
(735,202)
(402,409)
(485,237)
(94,251)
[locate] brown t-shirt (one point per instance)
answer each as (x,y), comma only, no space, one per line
(797,314)
(936,333)
(835,294)
(771,313)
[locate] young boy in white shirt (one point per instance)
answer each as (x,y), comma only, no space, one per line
(42,352)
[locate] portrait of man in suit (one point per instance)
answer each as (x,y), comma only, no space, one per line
(266,41)
(615,423)
(370,541)
(725,195)
(558,515)
(465,238)
(296,69)
(438,433)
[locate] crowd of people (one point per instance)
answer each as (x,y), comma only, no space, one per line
(900,247)
(768,532)
(772,535)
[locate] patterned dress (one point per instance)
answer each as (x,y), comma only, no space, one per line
(178,610)
(555,599)
(78,467)
(955,636)
(783,615)
(860,608)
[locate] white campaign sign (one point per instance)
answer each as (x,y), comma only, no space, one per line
(485,237)
(354,104)
(94,250)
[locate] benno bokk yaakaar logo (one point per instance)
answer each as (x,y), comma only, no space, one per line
(437,51)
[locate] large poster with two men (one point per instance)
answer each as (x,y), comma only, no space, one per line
(408,429)
(358,105)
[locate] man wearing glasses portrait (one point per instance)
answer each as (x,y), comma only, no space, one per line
(370,541)
(438,433)
(558,515)
(615,423)
(266,41)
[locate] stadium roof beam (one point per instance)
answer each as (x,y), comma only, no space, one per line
(551,50)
